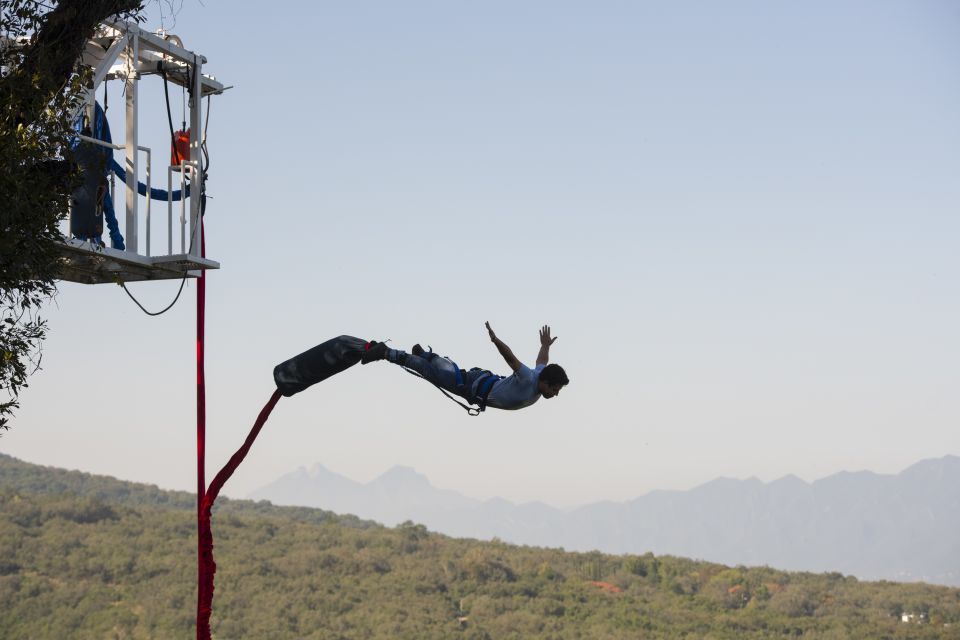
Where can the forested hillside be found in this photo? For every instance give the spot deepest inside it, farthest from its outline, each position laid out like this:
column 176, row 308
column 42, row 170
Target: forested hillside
column 874, row 526
column 91, row 557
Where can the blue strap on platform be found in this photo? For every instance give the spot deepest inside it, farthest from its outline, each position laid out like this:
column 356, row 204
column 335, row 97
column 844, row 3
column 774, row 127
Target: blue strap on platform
column 155, row 194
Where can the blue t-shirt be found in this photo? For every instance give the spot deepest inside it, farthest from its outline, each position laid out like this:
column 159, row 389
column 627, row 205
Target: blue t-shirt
column 516, row 391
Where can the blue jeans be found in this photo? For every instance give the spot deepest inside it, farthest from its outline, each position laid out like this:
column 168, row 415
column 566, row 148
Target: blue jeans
column 441, row 371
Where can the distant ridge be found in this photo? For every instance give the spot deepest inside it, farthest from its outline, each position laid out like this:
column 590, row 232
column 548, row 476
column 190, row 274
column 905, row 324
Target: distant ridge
column 897, row 527
column 27, row 477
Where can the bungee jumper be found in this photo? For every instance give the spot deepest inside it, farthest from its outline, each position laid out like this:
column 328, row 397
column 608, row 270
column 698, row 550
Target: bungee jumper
column 523, row 387
column 477, row 386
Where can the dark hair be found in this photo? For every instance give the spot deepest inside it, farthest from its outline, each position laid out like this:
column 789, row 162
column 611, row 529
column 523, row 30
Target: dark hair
column 554, row 374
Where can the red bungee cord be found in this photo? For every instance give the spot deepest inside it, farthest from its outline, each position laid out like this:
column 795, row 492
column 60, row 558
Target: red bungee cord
column 206, row 567
column 204, row 598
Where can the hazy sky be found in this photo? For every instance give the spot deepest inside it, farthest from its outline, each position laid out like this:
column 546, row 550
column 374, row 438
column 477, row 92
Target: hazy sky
column 740, row 219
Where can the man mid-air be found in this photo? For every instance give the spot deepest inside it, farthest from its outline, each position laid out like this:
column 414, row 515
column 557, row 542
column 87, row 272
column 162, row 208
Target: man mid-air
column 520, row 389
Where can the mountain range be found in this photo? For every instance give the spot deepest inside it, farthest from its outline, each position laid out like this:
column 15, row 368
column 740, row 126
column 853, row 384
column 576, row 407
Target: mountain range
column 903, row 527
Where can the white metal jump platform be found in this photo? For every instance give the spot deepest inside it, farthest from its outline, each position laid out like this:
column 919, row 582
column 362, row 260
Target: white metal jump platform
column 86, row 263
column 124, row 51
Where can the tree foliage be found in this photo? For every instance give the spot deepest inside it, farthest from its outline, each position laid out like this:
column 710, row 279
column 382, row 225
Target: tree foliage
column 41, row 85
column 83, row 556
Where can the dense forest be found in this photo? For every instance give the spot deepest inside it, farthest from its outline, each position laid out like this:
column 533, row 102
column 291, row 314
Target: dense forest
column 85, row 556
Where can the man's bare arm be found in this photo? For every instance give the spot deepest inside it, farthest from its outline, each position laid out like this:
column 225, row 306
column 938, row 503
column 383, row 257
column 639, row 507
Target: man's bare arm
column 504, row 350
column 545, row 341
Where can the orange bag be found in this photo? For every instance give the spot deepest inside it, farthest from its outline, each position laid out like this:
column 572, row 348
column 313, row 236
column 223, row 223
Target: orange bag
column 180, row 147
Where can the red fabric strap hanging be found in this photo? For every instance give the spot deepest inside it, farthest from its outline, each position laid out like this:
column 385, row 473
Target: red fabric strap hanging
column 207, row 566
column 203, row 600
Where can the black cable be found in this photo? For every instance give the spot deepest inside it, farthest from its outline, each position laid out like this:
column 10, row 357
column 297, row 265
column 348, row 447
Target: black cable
column 183, row 281
column 166, row 95
column 203, row 143
column 473, row 411
column 156, row 313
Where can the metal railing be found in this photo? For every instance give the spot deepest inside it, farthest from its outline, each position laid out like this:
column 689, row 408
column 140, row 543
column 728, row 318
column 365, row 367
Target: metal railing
column 185, row 168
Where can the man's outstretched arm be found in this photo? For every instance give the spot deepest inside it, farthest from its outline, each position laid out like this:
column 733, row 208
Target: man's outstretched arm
column 503, row 349
column 545, row 341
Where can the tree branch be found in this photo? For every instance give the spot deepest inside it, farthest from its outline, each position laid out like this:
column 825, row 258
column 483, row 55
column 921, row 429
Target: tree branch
column 51, row 57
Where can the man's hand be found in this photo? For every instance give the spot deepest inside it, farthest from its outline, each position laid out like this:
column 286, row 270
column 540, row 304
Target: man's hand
column 545, row 339
column 543, row 357
column 493, row 336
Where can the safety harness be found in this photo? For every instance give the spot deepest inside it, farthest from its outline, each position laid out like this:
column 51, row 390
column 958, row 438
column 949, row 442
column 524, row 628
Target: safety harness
column 483, row 385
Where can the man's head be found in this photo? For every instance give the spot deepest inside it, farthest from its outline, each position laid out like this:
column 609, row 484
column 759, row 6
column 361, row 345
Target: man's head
column 552, row 379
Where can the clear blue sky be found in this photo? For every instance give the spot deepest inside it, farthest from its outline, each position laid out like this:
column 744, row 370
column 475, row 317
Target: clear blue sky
column 740, row 219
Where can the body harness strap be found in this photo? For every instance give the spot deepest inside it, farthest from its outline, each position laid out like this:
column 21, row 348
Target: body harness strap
column 461, row 379
column 473, row 411
column 484, row 387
